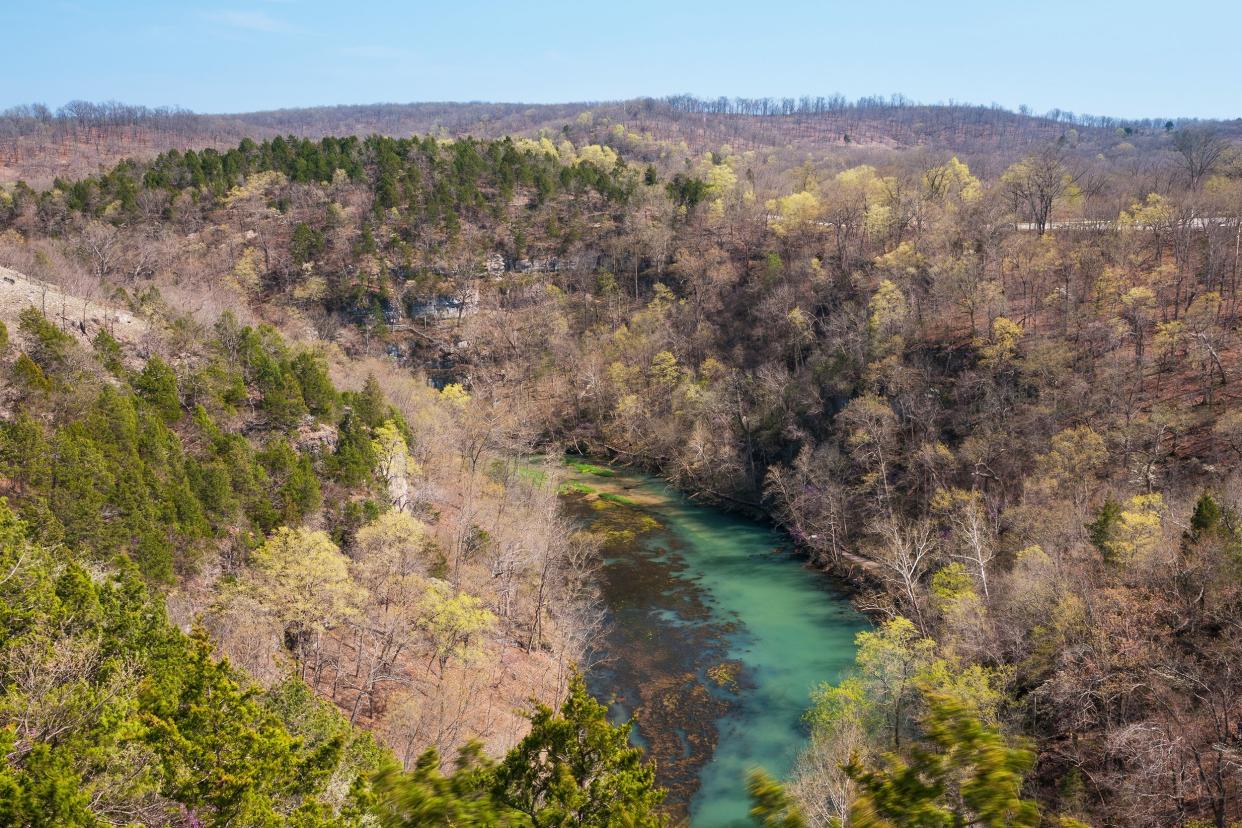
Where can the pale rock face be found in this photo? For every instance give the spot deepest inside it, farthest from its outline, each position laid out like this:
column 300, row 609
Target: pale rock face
column 394, row 465
column 399, row 487
column 79, row 316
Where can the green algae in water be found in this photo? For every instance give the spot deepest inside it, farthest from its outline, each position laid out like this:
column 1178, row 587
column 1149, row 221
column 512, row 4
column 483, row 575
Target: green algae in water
column 574, row 487
column 705, row 590
column 591, row 468
column 619, row 499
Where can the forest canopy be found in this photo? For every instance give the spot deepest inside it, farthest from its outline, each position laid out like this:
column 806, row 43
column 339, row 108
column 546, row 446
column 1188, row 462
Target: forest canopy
column 276, row 552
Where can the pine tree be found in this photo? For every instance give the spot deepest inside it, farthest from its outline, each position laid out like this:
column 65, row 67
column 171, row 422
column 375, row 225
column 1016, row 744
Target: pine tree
column 108, row 351
column 577, row 769
column 47, row 344
column 223, row 756
column 29, row 376
column 354, row 459
column 368, row 404
column 111, row 711
column 157, row 384
column 317, row 390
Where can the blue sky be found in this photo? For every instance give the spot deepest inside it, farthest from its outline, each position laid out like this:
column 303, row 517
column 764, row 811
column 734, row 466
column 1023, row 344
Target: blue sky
column 1134, row 59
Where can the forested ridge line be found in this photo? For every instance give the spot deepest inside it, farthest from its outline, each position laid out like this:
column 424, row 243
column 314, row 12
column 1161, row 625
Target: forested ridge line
column 1029, row 436
column 37, row 143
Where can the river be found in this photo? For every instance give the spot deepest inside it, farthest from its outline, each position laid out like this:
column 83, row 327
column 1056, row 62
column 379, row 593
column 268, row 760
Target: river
column 717, row 635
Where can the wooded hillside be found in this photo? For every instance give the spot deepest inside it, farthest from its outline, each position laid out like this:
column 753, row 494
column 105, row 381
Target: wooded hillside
column 37, row 143
column 990, row 377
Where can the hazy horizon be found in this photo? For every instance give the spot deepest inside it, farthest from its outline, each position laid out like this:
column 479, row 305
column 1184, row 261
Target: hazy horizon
column 236, row 57
column 1030, row 111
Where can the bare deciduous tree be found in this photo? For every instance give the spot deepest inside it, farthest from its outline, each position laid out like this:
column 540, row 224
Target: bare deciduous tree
column 1201, row 150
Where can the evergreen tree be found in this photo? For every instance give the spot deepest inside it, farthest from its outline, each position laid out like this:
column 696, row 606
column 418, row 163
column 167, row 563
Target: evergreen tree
column 307, row 243
column 317, row 390
column 110, row 715
column 1207, row 515
column 47, row 344
column 29, row 376
column 24, row 455
column 1101, row 530
column 294, row 489
column 108, row 351
column 354, row 458
column 577, row 769
column 222, row 755
column 368, row 404
column 157, row 384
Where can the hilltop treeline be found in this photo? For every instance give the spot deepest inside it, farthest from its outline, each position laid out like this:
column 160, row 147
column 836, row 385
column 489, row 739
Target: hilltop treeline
column 38, row 143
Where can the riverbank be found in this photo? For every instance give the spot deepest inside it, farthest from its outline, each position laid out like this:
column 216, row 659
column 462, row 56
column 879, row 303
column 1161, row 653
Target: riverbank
column 853, row 572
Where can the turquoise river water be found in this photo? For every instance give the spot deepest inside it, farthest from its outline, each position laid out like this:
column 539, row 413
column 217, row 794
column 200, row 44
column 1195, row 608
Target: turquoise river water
column 717, row 635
